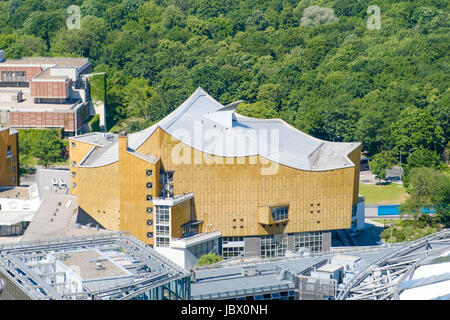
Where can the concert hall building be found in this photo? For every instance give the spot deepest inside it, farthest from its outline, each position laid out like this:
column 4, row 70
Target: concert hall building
column 206, row 178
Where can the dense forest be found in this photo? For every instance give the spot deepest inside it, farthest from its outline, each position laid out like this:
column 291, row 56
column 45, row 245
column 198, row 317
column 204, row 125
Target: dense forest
column 315, row 64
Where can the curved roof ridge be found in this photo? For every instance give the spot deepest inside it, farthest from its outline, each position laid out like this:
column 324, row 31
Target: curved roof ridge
column 141, row 136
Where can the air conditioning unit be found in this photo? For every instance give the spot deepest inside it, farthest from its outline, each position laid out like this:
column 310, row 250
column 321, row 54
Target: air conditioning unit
column 99, row 266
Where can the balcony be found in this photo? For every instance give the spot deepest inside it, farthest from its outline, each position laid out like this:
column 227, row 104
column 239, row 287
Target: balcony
column 266, row 216
column 194, row 240
column 173, row 201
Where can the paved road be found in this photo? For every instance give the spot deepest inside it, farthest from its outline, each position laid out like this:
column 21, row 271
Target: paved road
column 369, row 178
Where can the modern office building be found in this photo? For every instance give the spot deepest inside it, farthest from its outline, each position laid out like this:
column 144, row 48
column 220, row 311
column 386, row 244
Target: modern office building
column 111, row 266
column 206, row 178
column 44, row 93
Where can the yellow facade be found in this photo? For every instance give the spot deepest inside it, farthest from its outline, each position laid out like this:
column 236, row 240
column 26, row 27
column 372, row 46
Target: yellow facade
column 230, row 194
column 9, row 158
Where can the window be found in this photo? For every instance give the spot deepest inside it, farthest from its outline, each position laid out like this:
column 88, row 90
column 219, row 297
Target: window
column 231, row 252
column 74, row 174
column 162, row 230
column 74, row 185
column 73, row 144
column 149, row 197
column 162, row 242
column 310, row 240
column 232, row 247
column 149, row 185
column 162, row 215
column 149, row 172
column 9, row 153
column 149, row 210
column 280, row 213
column 15, row 76
column 273, row 246
column 150, row 235
column 73, row 163
column 162, row 226
column 149, row 222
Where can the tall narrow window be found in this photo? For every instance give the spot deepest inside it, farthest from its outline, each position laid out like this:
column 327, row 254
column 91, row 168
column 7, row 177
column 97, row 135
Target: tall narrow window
column 149, row 172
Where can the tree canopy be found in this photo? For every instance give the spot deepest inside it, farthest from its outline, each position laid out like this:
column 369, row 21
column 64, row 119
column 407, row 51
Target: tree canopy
column 313, row 63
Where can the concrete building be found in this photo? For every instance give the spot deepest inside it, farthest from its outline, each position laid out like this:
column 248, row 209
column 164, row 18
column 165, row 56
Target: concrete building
column 45, row 93
column 112, row 266
column 417, row 270
column 261, row 184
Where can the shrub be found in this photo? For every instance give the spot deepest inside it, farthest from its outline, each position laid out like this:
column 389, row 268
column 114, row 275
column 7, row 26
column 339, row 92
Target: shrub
column 208, row 259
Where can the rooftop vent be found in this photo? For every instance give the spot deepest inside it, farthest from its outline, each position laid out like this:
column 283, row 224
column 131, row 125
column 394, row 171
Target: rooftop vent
column 99, row 266
column 249, row 271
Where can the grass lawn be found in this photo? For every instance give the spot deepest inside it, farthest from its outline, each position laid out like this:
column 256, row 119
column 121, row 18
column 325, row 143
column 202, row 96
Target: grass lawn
column 405, row 230
column 383, row 194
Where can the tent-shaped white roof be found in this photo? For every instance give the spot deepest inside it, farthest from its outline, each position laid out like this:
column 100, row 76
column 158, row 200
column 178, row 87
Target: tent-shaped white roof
column 206, row 125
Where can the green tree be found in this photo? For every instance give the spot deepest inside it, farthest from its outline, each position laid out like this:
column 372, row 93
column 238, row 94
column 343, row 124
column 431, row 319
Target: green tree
column 428, row 188
column 421, row 157
column 47, row 148
column 43, row 24
column 416, row 128
column 380, row 163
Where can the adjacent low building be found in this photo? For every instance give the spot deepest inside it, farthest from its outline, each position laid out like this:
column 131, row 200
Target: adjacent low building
column 249, row 187
column 45, row 93
column 112, row 266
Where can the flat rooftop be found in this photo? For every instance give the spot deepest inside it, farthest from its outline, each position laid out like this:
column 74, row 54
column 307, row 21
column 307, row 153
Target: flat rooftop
column 47, row 62
column 27, row 104
column 47, row 75
column 228, row 281
column 86, row 263
column 19, row 193
column 32, row 265
column 106, row 151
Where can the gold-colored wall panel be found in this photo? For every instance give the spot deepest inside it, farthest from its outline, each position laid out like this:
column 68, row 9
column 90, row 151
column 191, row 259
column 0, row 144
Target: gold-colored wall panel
column 9, row 166
column 98, row 192
column 77, row 151
column 133, row 192
column 228, row 194
column 181, row 214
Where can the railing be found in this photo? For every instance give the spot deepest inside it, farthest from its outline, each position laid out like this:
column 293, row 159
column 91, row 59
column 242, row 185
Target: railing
column 405, row 247
column 244, row 292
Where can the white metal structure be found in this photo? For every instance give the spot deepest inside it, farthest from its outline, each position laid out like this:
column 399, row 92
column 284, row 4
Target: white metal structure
column 383, row 279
